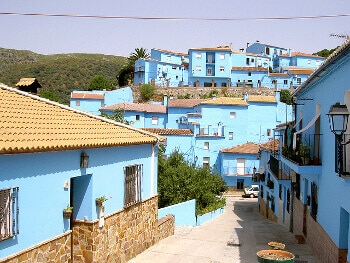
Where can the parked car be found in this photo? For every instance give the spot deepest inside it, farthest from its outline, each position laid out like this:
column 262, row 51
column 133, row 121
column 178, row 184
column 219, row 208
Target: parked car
column 251, row 191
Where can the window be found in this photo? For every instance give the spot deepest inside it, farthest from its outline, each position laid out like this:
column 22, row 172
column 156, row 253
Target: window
column 299, row 80
column 285, row 82
column 222, row 69
column 210, row 58
column 249, row 73
column 206, row 145
column 168, row 58
column 206, row 162
column 132, row 191
column 198, row 68
column 232, row 115
column 8, row 213
column 209, row 72
column 241, row 166
column 155, row 120
column 309, row 61
column 77, row 103
column 173, row 67
column 230, row 135
column 137, row 117
column 222, row 56
column 198, row 55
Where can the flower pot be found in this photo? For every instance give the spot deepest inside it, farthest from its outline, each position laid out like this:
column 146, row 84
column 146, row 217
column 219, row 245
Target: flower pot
column 276, row 245
column 67, row 213
column 275, row 256
column 99, row 202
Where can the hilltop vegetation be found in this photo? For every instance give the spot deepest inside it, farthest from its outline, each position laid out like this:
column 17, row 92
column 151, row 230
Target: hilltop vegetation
column 58, row 74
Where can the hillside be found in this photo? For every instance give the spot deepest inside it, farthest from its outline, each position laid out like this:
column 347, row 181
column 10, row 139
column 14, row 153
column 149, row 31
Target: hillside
column 58, row 74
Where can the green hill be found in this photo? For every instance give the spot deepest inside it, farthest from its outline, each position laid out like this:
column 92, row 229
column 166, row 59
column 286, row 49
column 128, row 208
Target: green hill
column 58, row 74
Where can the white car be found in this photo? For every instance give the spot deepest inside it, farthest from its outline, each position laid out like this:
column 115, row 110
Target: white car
column 252, row 191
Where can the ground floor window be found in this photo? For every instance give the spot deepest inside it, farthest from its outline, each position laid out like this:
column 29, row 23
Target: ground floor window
column 8, row 213
column 132, row 191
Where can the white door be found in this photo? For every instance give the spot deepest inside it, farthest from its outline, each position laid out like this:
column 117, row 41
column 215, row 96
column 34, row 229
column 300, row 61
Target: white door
column 240, row 166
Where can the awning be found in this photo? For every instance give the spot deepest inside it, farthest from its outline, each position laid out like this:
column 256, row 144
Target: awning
column 312, row 122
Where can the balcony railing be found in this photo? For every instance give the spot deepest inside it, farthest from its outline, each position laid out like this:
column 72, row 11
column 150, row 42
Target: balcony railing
column 210, row 131
column 237, row 171
column 279, row 170
column 307, row 151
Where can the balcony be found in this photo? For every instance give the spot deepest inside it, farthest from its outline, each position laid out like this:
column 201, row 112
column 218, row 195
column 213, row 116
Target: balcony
column 237, row 171
column 279, row 169
column 210, row 131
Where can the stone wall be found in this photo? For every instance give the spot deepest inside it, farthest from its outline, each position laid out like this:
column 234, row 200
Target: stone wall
column 266, row 211
column 124, row 235
column 196, row 93
column 57, row 249
column 322, row 245
column 298, row 217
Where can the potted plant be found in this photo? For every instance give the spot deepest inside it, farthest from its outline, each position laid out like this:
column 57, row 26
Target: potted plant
column 100, row 200
column 276, row 245
column 304, row 151
column 275, row 256
column 67, row 212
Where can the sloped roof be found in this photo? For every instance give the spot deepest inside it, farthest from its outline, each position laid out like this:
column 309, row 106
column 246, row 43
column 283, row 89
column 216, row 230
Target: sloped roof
column 226, row 101
column 140, row 107
column 300, row 71
column 271, row 145
column 259, row 98
column 220, row 48
column 184, row 103
column 249, row 69
column 162, row 131
column 29, row 123
column 301, row 54
column 280, row 75
column 171, row 52
column 27, row 82
column 83, row 95
column 247, row 148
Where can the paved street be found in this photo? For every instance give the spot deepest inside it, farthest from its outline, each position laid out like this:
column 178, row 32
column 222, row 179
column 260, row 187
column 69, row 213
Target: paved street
column 235, row 236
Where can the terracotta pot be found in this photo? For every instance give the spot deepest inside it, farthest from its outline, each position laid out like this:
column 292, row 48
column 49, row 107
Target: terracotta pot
column 275, row 256
column 67, row 213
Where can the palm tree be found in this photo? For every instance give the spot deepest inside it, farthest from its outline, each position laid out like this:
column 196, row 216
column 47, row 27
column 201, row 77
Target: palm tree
column 126, row 73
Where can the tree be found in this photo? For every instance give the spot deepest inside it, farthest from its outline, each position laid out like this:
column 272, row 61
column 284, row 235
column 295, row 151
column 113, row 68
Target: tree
column 147, row 91
column 286, row 96
column 180, row 181
column 99, row 82
column 117, row 115
column 126, row 73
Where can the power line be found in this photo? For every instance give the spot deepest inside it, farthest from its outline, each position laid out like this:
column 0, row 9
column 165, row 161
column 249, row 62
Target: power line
column 175, row 18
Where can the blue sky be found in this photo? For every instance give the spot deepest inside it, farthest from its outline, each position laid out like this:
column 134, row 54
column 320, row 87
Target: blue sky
column 54, row 35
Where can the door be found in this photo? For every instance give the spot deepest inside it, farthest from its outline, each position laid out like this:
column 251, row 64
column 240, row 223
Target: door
column 240, row 166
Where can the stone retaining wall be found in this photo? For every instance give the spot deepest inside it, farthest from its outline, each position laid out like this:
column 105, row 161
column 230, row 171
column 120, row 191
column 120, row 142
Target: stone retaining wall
column 166, row 227
column 322, row 245
column 57, row 249
column 266, row 211
column 299, row 213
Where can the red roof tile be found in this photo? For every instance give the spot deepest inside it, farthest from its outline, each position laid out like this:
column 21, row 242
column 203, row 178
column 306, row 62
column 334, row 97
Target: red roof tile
column 271, row 145
column 140, row 107
column 184, row 103
column 161, row 131
column 247, row 148
column 82, row 95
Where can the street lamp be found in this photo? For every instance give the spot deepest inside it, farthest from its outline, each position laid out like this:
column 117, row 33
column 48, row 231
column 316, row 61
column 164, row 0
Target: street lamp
column 338, row 118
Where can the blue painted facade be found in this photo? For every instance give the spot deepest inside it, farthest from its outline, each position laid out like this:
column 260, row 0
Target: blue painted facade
column 311, row 180
column 223, row 67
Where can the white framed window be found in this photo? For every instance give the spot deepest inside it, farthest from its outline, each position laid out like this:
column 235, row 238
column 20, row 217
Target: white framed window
column 222, row 69
column 198, row 68
column 132, row 186
column 232, row 115
column 209, row 72
column 317, row 62
column 206, row 162
column 206, row 145
column 222, row 56
column 155, row 120
column 8, row 213
column 198, row 55
column 173, row 67
column 230, row 135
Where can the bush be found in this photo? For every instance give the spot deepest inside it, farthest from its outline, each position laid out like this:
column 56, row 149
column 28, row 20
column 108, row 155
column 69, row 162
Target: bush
column 147, row 91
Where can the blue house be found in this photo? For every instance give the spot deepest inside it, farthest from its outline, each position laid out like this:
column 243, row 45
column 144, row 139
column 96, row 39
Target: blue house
column 308, row 175
column 55, row 158
column 92, row 101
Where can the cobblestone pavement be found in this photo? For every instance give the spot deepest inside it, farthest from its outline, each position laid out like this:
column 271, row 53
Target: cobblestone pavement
column 235, row 236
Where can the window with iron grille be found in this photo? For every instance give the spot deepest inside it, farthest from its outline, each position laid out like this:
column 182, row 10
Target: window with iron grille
column 132, row 191
column 8, row 213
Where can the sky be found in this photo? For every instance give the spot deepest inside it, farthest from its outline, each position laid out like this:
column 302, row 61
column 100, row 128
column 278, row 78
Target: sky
column 115, row 27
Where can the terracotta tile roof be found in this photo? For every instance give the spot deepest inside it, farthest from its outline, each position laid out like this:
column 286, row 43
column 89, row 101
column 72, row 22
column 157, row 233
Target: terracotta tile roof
column 249, row 69
column 184, row 103
column 83, row 95
column 270, row 145
column 29, row 123
column 26, row 82
column 221, row 48
column 247, row 148
column 226, row 101
column 301, row 54
column 258, row 98
column 169, row 131
column 281, row 75
column 140, row 107
column 171, row 52
column 300, row 71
